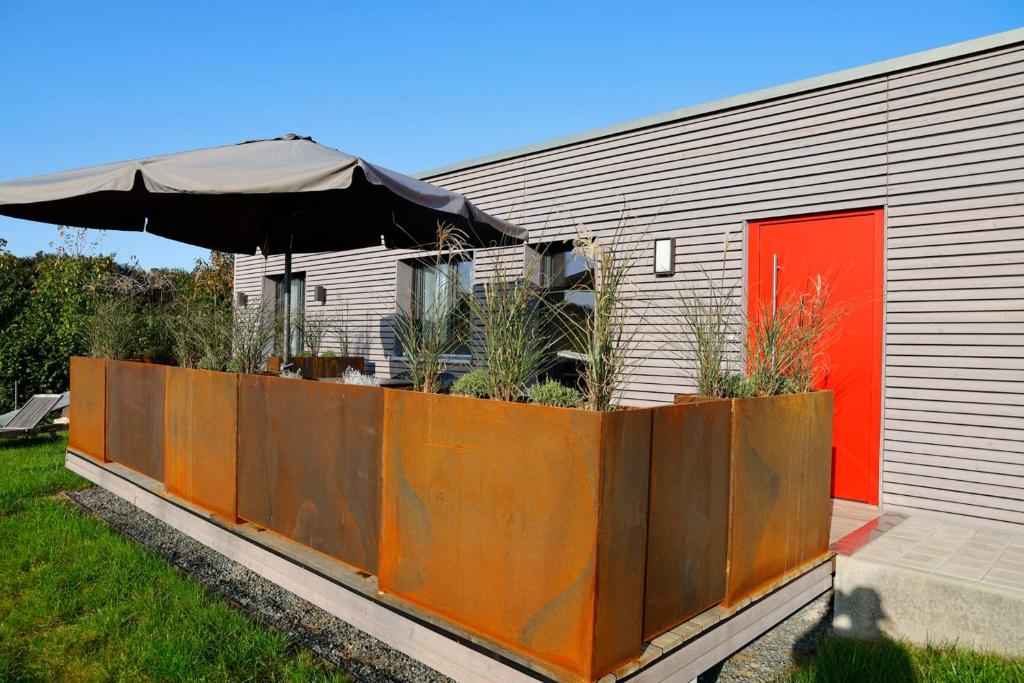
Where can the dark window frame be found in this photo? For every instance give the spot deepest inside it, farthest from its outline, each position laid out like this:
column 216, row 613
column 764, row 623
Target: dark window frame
column 460, row 313
column 297, row 310
column 568, row 278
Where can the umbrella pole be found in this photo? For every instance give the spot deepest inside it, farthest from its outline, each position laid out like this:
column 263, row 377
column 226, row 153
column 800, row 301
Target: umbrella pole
column 287, row 306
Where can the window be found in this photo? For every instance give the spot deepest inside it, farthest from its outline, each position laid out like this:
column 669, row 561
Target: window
column 569, row 279
column 437, row 291
column 298, row 286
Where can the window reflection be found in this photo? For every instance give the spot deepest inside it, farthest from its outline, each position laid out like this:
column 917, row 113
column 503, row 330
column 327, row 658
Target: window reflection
column 569, row 278
column 438, row 291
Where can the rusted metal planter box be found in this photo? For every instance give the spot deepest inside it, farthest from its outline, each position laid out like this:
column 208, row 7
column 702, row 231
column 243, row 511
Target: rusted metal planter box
column 319, row 366
column 309, row 464
column 88, row 407
column 781, row 476
column 688, row 521
column 526, row 524
column 200, row 437
column 780, row 466
column 135, row 416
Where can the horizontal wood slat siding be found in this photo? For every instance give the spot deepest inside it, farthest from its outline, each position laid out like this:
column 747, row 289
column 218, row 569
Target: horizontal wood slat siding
column 954, row 408
column 941, row 147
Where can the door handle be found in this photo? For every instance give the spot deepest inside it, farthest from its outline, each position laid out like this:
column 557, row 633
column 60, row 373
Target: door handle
column 775, row 283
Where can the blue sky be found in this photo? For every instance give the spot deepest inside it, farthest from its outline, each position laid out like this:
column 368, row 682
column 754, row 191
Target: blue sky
column 407, row 85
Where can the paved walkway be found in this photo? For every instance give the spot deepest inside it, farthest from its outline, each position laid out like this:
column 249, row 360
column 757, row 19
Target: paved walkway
column 979, row 555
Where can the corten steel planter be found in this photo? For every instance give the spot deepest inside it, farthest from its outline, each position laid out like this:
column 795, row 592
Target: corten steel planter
column 88, row 407
column 525, row 524
column 781, row 472
column 200, row 438
column 688, row 523
column 319, row 366
column 135, row 416
column 309, row 464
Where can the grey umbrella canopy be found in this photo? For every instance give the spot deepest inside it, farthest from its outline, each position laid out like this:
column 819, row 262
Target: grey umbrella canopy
column 285, row 194
column 281, row 196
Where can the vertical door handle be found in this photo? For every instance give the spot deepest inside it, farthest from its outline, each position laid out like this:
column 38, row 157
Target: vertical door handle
column 775, row 283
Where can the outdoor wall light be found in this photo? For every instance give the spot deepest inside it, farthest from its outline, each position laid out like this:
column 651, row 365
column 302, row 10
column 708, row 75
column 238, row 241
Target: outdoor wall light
column 320, row 294
column 242, row 299
column 665, row 257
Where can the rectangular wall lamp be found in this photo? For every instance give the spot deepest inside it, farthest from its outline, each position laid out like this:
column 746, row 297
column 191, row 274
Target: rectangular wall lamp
column 665, row 257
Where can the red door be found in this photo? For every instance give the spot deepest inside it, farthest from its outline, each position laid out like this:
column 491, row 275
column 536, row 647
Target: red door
column 846, row 250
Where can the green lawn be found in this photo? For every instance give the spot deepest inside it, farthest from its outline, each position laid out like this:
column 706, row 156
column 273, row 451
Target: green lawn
column 851, row 661
column 80, row 603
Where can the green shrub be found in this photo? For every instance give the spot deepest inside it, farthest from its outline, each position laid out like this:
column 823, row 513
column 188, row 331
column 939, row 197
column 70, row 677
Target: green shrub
column 46, row 302
column 737, row 386
column 552, row 393
column 475, row 383
column 78, row 301
column 328, row 354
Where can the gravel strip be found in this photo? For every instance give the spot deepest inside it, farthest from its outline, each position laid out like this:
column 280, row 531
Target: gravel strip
column 769, row 657
column 344, row 646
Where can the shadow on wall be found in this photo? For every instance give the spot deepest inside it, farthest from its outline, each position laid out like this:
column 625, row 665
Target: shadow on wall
column 360, row 342
column 388, row 342
column 845, row 643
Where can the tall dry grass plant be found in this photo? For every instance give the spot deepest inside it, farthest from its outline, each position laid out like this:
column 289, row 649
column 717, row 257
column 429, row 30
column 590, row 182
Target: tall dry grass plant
column 426, row 330
column 343, row 331
column 203, row 335
column 314, row 328
column 709, row 323
column 784, row 347
column 603, row 339
column 515, row 325
column 113, row 329
column 255, row 328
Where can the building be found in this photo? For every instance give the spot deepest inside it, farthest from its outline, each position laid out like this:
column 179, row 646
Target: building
column 904, row 179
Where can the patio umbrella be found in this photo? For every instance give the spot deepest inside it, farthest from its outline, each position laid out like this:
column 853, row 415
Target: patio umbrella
column 282, row 196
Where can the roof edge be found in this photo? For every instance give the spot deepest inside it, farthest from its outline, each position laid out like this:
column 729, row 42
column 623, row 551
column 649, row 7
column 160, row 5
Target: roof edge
column 857, row 73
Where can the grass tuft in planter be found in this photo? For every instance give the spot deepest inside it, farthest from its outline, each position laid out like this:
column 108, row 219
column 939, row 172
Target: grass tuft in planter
column 784, row 345
column 351, row 338
column 601, row 338
column 428, row 331
column 710, row 324
column 514, row 326
column 314, row 327
column 254, row 330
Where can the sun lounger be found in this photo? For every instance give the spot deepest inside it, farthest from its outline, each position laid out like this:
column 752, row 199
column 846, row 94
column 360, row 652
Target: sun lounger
column 26, row 422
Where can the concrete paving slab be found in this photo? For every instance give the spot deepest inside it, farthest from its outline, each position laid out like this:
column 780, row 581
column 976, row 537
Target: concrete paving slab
column 962, row 572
